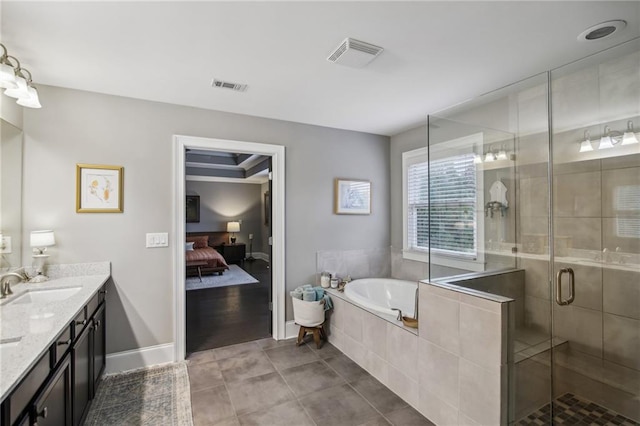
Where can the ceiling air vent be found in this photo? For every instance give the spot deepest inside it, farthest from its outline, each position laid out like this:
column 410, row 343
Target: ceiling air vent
column 354, row 53
column 228, row 85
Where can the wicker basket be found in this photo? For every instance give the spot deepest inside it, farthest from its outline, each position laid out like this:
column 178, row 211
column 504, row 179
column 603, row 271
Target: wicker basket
column 308, row 314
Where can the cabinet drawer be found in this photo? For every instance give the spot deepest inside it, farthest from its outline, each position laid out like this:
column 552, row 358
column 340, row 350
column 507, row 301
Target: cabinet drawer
column 21, row 396
column 92, row 306
column 80, row 322
column 62, row 344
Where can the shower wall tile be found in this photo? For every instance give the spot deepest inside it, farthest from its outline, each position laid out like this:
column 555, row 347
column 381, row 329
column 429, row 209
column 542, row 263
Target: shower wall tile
column 480, row 391
column 368, row 263
column 588, row 284
column 378, row 367
column 584, row 232
column 534, row 196
column 536, row 277
column 372, row 336
column 337, row 313
column 613, row 183
column 622, row 340
column 621, row 162
column 621, row 233
column 581, row 327
column 537, row 313
column 404, row 385
column 402, row 349
column 405, row 269
column 436, row 409
column 439, row 319
column 577, row 195
column 621, row 292
column 438, row 372
column 481, row 336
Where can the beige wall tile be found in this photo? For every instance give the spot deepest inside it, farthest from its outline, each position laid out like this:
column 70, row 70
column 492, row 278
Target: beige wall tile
column 577, row 195
column 377, row 367
column 536, row 277
column 618, row 232
column 622, row 340
column 582, row 327
column 439, row 321
column 353, row 322
column 480, row 336
column 438, row 372
column 481, row 303
column 621, row 292
column 585, row 233
column 336, row 338
column 437, row 410
column 480, row 393
column 355, row 350
column 337, row 314
column 439, row 291
column 404, row 386
column 374, row 335
column 537, row 313
column 534, row 196
column 402, row 349
column 612, row 182
column 588, row 285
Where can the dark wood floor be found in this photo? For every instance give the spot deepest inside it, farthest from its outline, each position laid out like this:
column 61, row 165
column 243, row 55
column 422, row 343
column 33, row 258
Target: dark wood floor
column 228, row 315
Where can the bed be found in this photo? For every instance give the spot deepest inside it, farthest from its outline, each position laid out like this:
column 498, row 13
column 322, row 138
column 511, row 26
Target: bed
column 200, row 254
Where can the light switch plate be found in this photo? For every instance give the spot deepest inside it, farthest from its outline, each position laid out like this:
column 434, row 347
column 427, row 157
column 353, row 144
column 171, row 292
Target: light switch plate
column 157, row 239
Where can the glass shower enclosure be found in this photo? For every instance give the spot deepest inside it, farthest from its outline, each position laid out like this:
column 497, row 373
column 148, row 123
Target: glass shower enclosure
column 534, row 194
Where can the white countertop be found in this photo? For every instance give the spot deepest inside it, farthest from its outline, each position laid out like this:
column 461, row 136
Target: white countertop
column 28, row 330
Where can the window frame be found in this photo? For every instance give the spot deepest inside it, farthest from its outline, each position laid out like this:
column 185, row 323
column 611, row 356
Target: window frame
column 453, row 147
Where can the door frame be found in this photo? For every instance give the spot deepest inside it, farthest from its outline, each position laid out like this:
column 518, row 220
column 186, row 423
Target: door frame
column 277, row 262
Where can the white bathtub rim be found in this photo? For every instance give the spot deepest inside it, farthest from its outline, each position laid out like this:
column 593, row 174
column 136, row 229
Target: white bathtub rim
column 406, row 306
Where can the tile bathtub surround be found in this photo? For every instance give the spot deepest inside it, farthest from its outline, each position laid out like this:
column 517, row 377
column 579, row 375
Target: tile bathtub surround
column 300, row 386
column 455, row 371
column 366, row 263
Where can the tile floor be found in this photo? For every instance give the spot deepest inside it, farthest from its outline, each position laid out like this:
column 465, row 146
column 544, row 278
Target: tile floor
column 266, row 382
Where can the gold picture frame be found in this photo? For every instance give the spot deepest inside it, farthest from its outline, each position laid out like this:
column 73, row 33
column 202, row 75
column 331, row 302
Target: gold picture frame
column 99, row 188
column 352, row 196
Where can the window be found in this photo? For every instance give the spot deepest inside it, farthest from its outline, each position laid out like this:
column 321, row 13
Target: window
column 453, row 206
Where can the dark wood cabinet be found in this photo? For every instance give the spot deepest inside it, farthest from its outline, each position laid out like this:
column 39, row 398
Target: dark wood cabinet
column 82, row 376
column 233, row 253
column 53, row 406
column 59, row 388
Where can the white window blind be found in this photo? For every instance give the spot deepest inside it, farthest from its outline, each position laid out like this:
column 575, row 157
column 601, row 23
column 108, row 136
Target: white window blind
column 451, row 204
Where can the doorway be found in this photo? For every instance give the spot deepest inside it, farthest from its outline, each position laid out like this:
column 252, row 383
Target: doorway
column 276, row 198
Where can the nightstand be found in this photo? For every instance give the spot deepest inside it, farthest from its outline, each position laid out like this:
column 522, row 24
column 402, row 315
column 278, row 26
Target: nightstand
column 233, row 253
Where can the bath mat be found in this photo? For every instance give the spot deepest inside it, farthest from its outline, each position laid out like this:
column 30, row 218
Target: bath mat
column 150, row 396
column 234, row 276
column 570, row 409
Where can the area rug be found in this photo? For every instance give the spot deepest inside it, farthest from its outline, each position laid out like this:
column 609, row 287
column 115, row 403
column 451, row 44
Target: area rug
column 570, row 409
column 234, row 276
column 149, row 396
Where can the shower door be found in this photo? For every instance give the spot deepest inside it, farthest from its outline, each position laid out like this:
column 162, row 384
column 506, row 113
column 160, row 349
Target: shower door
column 595, row 216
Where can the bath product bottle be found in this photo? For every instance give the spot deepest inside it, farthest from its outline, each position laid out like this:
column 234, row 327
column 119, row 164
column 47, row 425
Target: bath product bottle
column 334, row 282
column 325, row 280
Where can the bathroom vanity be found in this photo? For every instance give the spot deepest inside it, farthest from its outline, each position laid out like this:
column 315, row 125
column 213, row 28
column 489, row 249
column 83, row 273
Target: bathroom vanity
column 52, row 349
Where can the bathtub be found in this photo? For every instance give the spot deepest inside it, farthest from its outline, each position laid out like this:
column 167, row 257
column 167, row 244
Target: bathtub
column 382, row 294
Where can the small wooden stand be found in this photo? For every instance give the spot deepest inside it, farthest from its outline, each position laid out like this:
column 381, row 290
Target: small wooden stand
column 317, row 331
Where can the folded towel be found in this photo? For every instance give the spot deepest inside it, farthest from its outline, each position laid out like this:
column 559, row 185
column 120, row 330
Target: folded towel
column 306, row 286
column 297, row 293
column 328, row 304
column 309, row 295
column 319, row 292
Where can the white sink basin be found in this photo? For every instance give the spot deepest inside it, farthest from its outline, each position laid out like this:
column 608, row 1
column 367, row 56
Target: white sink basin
column 45, row 295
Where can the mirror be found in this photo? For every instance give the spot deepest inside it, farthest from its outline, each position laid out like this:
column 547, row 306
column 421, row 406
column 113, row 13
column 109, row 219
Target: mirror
column 10, row 196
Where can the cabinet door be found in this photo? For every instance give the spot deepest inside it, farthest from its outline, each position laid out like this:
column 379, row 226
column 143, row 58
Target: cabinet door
column 99, row 348
column 53, row 405
column 82, row 377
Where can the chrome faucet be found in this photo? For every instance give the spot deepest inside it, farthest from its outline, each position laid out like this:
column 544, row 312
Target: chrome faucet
column 5, row 283
column 399, row 316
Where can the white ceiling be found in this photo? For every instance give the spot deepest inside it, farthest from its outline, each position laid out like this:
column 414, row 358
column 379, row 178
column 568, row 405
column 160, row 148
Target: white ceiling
column 436, row 53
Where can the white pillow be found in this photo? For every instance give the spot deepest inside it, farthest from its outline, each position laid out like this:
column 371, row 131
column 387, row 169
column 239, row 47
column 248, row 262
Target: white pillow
column 188, row 246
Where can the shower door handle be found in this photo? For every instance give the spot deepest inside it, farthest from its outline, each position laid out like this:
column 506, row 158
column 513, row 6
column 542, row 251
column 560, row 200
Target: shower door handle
column 572, row 287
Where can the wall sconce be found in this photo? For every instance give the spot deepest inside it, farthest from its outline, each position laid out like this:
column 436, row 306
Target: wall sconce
column 489, row 157
column 17, row 81
column 629, row 137
column 233, row 227
column 585, row 145
column 605, row 141
column 40, row 240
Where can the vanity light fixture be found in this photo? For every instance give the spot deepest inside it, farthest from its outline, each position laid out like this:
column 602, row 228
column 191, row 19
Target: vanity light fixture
column 585, row 145
column 605, row 141
column 40, row 240
column 17, row 81
column 629, row 137
column 502, row 155
column 489, row 157
column 477, row 159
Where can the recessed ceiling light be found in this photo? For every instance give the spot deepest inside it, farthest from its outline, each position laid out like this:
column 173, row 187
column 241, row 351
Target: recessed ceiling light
column 602, row 30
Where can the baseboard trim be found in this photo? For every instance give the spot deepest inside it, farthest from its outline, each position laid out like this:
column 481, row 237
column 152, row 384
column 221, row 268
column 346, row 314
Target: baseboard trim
column 139, row 358
column 291, row 329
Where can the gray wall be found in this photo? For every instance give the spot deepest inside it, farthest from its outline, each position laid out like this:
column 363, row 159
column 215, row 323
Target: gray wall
column 83, row 127
column 222, row 202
